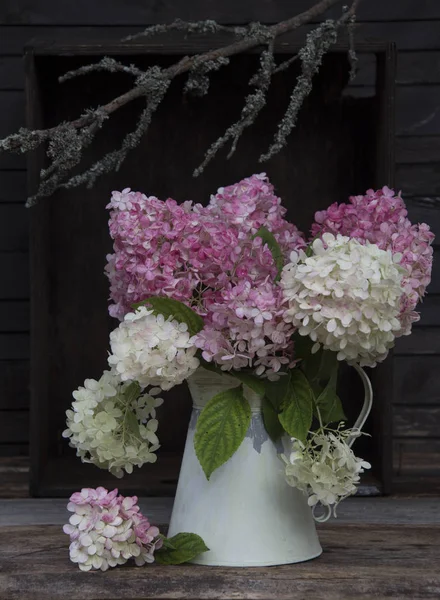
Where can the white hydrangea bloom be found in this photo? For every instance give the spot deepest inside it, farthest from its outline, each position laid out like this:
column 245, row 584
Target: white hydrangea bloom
column 325, row 468
column 151, row 350
column 346, row 297
column 111, row 426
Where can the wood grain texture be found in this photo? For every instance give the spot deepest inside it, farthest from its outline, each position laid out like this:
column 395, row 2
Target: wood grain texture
column 418, row 149
column 412, row 68
column 358, row 561
column 14, row 346
column 14, row 267
column 14, row 384
column 423, row 180
column 12, row 111
column 12, row 186
column 16, row 488
column 414, row 483
column 14, row 426
column 416, row 421
column 14, row 316
column 416, row 456
column 11, row 73
column 134, row 12
column 417, row 108
column 11, row 117
column 389, row 510
column 418, row 67
column 416, row 380
column 424, row 210
column 423, row 341
column 417, row 35
column 429, row 311
column 14, row 472
column 14, row 227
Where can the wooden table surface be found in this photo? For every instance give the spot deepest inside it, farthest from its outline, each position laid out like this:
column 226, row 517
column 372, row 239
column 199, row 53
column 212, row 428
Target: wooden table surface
column 393, row 551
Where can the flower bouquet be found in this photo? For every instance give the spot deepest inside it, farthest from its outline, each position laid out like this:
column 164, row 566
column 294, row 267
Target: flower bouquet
column 256, row 317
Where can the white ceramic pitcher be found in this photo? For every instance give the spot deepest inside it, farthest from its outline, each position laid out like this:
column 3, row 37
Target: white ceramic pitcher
column 246, row 513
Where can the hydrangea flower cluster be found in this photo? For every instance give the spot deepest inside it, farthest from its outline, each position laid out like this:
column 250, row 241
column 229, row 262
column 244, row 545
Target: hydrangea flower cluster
column 380, row 217
column 151, row 350
column 113, row 425
column 325, row 468
column 107, row 530
column 208, row 258
column 352, row 291
column 251, row 204
column 246, row 329
column 345, row 297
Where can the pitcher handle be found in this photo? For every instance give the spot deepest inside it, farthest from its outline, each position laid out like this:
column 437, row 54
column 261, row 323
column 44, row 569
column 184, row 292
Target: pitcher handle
column 360, row 422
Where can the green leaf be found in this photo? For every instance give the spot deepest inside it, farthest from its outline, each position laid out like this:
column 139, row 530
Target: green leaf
column 131, row 392
column 316, row 367
column 269, row 239
column 168, row 307
column 297, row 414
column 180, row 549
column 310, row 366
column 309, row 249
column 329, row 403
column 209, row 366
column 276, row 391
column 221, row 428
column 300, row 385
column 303, row 346
column 328, row 367
column 271, row 420
column 167, row 544
column 252, row 381
column 132, row 422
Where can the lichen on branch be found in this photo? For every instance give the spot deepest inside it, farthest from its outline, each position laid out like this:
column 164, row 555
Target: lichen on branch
column 64, row 143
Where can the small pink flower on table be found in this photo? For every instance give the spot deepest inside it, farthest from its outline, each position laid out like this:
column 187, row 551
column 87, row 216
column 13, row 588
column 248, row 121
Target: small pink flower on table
column 107, row 530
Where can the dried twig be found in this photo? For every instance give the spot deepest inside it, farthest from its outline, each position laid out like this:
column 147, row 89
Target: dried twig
column 253, row 104
column 317, row 44
column 66, row 141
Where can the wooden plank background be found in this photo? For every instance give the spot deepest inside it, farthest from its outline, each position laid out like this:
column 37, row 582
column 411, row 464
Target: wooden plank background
column 413, row 24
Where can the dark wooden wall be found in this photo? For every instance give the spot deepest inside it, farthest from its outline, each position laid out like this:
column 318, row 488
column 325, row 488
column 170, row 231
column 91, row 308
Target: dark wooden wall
column 413, row 24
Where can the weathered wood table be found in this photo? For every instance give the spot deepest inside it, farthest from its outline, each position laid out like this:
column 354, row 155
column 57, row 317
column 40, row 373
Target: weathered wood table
column 378, row 548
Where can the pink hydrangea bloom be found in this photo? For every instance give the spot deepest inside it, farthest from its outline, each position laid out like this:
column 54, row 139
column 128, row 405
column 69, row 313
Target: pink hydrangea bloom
column 251, row 204
column 207, row 257
column 381, row 218
column 246, row 328
column 107, row 530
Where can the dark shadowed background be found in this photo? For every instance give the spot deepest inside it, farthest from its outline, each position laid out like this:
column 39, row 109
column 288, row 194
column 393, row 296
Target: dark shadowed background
column 415, row 27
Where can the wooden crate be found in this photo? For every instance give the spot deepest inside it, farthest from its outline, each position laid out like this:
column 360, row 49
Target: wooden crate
column 342, row 145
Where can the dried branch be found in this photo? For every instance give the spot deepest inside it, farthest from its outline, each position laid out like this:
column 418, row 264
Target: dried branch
column 201, row 27
column 318, row 43
column 66, row 141
column 197, row 83
column 253, row 104
column 352, row 56
column 106, row 64
column 113, row 160
column 286, row 64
